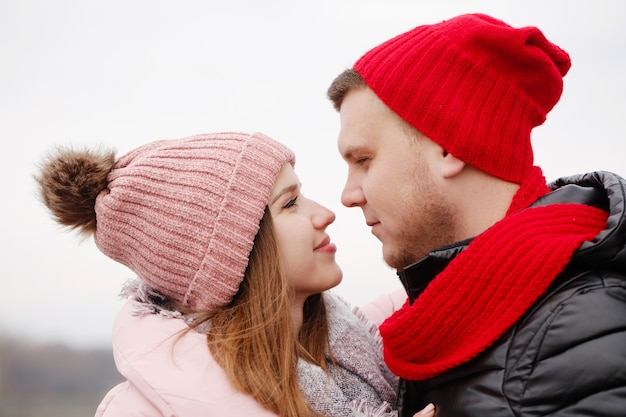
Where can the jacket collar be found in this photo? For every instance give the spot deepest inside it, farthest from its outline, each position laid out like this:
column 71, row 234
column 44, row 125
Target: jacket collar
column 416, row 277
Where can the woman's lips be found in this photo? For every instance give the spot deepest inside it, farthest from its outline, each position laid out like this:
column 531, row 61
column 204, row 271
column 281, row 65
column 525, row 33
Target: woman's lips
column 326, row 246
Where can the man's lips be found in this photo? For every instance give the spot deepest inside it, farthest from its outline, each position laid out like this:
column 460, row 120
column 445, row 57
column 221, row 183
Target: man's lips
column 373, row 228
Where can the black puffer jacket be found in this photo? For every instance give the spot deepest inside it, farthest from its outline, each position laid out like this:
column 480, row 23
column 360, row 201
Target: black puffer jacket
column 567, row 355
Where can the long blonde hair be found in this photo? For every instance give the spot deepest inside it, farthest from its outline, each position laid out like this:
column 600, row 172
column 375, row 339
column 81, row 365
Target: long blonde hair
column 253, row 339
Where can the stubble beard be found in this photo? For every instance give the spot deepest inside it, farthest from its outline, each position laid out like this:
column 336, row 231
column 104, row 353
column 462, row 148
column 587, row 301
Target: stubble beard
column 431, row 226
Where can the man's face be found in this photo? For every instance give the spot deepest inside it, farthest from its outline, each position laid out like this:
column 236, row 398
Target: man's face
column 393, row 177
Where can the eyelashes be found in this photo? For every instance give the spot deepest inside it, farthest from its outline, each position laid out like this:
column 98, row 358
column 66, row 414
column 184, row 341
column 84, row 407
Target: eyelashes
column 290, row 203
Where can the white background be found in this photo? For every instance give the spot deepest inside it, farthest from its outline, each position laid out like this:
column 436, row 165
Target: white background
column 122, row 73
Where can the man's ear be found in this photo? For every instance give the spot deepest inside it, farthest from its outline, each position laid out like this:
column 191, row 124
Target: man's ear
column 450, row 165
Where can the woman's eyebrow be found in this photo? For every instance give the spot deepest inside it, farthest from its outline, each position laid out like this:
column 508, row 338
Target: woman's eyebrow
column 288, row 189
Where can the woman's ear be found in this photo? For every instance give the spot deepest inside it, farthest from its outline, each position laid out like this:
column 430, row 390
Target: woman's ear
column 450, row 165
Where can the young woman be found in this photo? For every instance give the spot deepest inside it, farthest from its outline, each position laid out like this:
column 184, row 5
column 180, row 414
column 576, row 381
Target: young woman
column 229, row 314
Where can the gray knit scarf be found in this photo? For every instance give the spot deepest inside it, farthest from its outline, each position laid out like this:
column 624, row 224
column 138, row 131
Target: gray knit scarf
column 359, row 384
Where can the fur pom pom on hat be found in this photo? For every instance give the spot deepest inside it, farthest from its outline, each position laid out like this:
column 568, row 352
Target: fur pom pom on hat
column 474, row 85
column 182, row 214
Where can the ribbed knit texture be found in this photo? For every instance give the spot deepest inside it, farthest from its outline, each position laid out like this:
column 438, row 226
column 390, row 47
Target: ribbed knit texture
column 533, row 186
column 488, row 286
column 183, row 214
column 474, row 85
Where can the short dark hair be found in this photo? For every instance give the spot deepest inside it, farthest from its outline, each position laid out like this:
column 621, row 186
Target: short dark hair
column 346, row 81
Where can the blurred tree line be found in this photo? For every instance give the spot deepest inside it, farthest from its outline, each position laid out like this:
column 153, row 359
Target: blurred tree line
column 53, row 380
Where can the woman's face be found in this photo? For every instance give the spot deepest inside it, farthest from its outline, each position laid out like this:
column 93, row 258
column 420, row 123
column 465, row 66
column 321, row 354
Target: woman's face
column 300, row 228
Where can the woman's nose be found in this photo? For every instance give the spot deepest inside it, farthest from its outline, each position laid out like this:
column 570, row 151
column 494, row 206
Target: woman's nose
column 323, row 217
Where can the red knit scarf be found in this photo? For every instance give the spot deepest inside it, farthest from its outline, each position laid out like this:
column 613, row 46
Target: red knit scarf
column 489, row 286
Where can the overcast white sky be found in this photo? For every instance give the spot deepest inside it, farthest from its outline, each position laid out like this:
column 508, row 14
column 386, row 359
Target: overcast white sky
column 123, row 73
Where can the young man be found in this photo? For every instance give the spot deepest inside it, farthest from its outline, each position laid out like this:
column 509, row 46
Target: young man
column 517, row 288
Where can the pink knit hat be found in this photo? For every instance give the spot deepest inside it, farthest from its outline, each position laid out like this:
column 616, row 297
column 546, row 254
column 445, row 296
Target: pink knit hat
column 474, row 85
column 183, row 214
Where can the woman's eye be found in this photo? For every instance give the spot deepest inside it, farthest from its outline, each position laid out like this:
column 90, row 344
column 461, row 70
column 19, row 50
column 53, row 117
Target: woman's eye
column 291, row 203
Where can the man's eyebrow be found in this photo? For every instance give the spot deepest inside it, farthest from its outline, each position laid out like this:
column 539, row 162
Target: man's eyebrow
column 349, row 151
column 288, row 189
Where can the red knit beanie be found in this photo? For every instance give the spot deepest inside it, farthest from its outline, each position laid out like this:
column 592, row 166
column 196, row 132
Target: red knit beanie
column 474, row 85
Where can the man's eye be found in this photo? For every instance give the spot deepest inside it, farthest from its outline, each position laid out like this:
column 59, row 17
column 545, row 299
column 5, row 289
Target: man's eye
column 291, row 203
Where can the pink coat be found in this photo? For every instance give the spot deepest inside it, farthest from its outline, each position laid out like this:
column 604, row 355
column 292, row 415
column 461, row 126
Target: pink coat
column 384, row 306
column 167, row 375
column 159, row 367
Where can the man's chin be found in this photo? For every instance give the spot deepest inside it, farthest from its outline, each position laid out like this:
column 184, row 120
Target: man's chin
column 392, row 260
column 398, row 260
